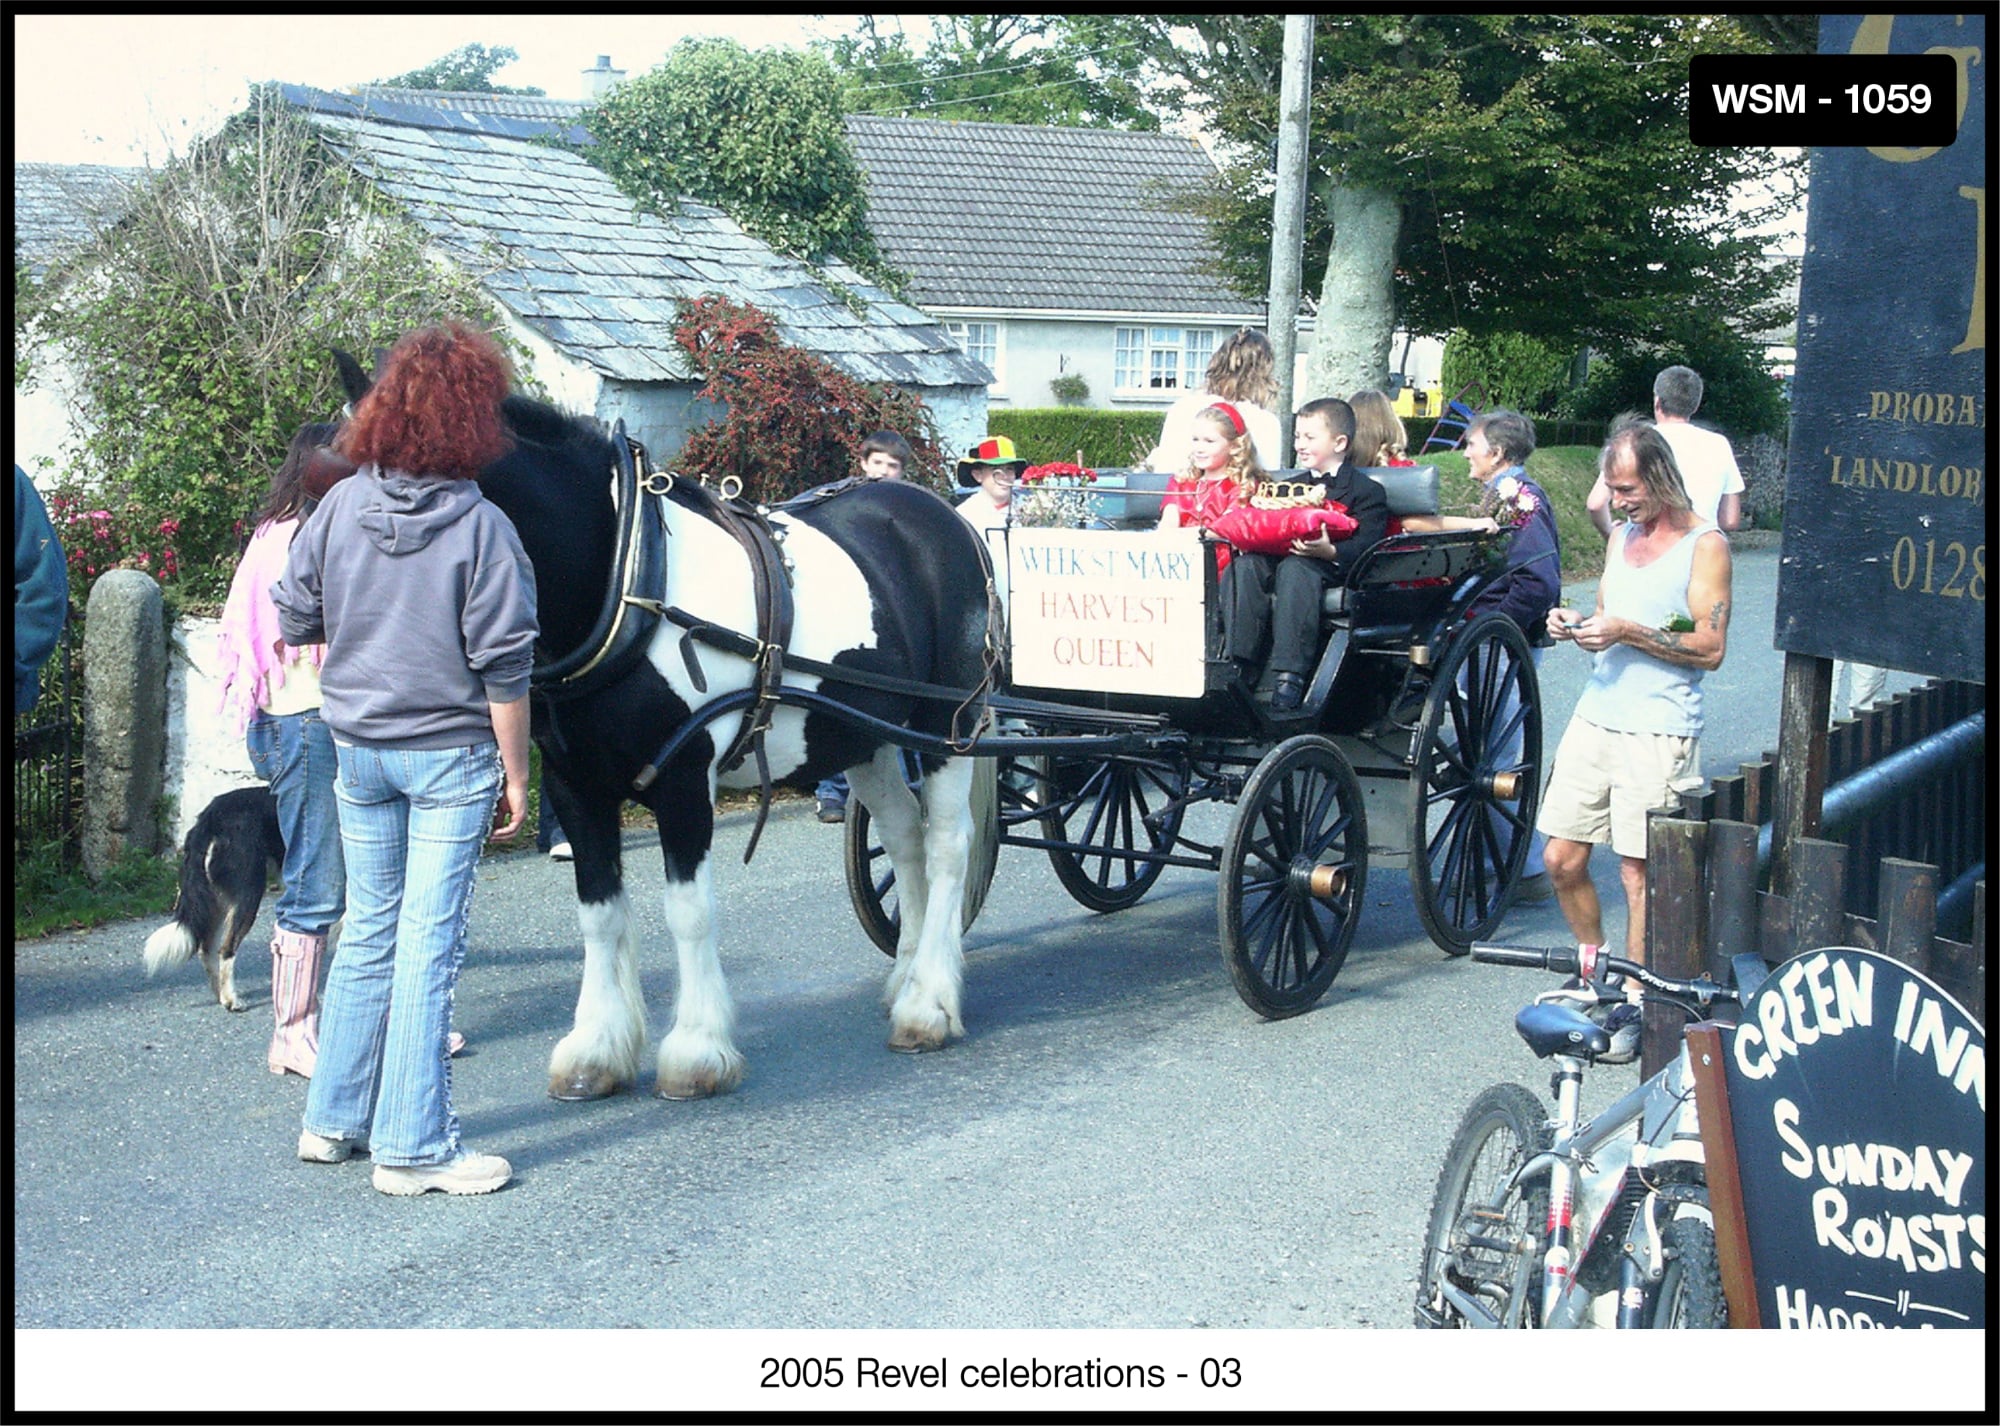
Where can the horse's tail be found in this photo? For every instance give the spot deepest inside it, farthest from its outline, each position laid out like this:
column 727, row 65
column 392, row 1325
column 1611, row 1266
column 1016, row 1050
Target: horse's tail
column 984, row 847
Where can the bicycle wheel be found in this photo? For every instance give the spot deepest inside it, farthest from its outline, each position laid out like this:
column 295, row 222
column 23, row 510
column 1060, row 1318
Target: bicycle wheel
column 1484, row 1245
column 1690, row 1290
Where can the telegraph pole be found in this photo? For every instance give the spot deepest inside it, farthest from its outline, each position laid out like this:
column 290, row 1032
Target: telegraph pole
column 1288, row 218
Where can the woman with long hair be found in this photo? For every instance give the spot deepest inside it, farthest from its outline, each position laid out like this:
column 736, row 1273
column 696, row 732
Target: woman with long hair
column 425, row 600
column 270, row 689
column 1379, row 436
column 1242, row 373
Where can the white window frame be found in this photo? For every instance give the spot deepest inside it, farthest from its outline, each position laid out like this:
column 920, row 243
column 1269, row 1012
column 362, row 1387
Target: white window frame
column 1162, row 360
column 960, row 328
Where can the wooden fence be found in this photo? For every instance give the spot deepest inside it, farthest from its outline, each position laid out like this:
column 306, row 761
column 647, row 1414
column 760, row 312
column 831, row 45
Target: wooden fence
column 1937, row 817
column 1708, row 894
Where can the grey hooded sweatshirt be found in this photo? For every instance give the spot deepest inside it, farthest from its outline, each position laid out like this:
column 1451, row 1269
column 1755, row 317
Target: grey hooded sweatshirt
column 421, row 592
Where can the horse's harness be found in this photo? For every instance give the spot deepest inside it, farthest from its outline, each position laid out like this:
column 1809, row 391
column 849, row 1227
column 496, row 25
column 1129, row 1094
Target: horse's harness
column 635, row 603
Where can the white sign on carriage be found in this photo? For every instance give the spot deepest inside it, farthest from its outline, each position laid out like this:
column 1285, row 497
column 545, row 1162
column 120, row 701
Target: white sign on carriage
column 1107, row 611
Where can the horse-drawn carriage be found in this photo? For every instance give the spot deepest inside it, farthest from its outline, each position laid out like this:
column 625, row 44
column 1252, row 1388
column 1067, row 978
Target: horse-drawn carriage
column 690, row 641
column 1124, row 714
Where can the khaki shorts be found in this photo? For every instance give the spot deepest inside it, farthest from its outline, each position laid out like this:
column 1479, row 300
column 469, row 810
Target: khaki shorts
column 1603, row 784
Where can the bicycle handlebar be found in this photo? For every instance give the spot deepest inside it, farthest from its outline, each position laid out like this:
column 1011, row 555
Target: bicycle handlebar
column 1564, row 960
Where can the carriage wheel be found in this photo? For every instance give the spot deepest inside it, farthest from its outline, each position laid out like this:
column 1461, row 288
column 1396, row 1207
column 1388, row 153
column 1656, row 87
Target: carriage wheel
column 1294, row 871
column 871, row 880
column 1103, row 809
column 1476, row 766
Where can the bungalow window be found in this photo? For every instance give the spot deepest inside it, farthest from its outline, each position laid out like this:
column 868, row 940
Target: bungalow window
column 980, row 341
column 1149, row 359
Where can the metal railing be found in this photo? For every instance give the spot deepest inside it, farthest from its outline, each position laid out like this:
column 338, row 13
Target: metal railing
column 48, row 754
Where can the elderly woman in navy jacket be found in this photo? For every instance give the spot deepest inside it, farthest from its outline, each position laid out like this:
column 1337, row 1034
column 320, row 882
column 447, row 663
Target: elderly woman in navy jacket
column 1497, row 447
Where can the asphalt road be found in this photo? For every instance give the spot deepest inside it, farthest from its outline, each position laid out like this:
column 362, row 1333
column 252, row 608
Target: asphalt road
column 1118, row 1142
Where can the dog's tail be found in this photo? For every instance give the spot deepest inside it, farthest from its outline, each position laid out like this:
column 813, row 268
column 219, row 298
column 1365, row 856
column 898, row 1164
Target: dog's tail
column 169, row 946
column 195, row 908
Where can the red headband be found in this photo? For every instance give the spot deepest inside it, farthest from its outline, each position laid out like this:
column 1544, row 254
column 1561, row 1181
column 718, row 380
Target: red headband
column 1235, row 417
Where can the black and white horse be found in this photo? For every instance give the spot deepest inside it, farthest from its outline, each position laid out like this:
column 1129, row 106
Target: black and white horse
column 888, row 580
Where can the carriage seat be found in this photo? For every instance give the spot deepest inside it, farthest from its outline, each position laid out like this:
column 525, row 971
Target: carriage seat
column 1412, row 490
column 1129, row 499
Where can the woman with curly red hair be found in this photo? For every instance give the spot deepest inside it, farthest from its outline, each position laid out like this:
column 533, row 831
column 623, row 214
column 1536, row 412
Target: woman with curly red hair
column 421, row 592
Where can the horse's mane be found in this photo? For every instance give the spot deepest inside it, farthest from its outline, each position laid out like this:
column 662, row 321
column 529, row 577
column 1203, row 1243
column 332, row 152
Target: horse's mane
column 565, row 434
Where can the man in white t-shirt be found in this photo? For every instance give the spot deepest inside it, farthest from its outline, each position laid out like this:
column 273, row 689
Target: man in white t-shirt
column 1707, row 464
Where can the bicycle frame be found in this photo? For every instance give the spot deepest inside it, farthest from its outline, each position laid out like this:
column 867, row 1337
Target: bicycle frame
column 1607, row 1177
column 1588, row 1167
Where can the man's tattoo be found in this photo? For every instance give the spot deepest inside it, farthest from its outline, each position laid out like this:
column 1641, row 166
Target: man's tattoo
column 1717, row 614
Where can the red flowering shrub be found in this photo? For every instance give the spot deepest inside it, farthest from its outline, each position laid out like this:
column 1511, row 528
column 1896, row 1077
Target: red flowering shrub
column 792, row 420
column 95, row 540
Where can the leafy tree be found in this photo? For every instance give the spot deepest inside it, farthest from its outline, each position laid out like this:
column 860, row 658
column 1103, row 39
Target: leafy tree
column 1523, row 372
column 198, row 333
column 1521, row 173
column 757, row 133
column 792, row 419
column 1004, row 69
column 1740, row 394
column 469, row 69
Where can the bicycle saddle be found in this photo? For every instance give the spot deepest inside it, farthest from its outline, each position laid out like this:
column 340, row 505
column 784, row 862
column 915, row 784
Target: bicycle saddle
column 1561, row 1030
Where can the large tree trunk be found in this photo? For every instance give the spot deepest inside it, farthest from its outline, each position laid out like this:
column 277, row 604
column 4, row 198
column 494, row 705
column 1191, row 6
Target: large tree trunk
column 1357, row 307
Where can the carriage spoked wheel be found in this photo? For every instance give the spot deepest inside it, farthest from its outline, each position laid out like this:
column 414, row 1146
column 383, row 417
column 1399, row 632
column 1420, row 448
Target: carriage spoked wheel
column 871, row 880
column 1476, row 778
column 1294, row 873
column 1102, row 810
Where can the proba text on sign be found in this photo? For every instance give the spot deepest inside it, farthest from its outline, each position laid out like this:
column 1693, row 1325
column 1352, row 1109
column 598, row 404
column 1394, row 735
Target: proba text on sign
column 1857, row 1089
column 1110, row 611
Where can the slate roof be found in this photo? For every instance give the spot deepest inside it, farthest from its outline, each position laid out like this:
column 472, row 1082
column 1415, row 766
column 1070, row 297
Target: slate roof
column 554, row 240
column 1034, row 217
column 59, row 206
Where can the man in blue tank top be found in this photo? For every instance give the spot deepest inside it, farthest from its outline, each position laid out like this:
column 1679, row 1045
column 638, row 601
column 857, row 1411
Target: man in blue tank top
column 1661, row 622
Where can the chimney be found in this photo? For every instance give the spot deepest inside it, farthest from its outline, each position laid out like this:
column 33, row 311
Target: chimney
column 600, row 79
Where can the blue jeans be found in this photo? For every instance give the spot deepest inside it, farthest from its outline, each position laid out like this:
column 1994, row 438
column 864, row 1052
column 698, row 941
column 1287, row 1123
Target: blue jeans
column 293, row 752
column 549, row 832
column 834, row 789
column 412, row 821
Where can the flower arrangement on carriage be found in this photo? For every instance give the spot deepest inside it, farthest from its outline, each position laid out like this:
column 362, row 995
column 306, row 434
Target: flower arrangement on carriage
column 1054, row 495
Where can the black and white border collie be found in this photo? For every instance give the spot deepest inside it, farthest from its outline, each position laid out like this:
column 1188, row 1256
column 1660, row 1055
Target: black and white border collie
column 225, row 864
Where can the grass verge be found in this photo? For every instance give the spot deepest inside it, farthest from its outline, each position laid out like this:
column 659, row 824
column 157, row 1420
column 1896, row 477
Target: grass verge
column 51, row 897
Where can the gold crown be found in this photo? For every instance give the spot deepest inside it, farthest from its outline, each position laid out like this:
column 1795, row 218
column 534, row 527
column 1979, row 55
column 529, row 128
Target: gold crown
column 1288, row 494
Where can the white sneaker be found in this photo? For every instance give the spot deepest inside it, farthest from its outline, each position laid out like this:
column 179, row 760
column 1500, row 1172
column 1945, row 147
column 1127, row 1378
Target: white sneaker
column 561, row 852
column 316, row 1149
column 468, row 1173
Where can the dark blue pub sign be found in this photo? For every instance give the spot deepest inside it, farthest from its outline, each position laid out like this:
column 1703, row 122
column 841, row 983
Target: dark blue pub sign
column 1885, row 558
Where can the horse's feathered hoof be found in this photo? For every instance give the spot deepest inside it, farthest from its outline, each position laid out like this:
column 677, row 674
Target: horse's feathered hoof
column 909, row 1041
column 691, row 1086
column 584, row 1084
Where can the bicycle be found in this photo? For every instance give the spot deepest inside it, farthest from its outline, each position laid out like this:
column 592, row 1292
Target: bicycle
column 1558, row 1223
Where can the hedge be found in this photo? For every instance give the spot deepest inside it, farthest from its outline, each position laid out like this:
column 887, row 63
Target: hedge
column 1108, row 439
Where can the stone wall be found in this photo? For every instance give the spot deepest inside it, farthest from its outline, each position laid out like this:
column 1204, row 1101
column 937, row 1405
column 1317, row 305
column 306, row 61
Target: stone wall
column 204, row 755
